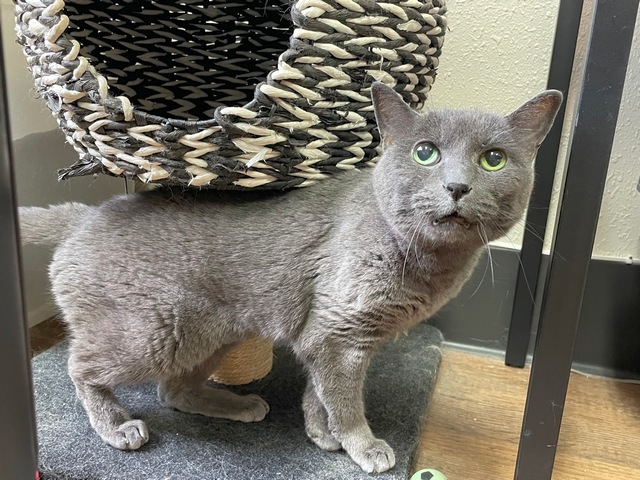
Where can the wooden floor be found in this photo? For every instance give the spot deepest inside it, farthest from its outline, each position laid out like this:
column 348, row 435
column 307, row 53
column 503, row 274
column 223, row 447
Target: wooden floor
column 473, row 426
column 45, row 335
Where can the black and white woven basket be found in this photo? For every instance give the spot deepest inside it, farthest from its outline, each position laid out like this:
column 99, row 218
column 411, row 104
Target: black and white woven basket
column 266, row 94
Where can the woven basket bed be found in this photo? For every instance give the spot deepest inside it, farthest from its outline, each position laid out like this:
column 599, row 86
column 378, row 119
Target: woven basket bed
column 267, row 94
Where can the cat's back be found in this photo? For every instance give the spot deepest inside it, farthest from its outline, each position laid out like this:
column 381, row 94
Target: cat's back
column 189, row 210
column 179, row 228
column 166, row 207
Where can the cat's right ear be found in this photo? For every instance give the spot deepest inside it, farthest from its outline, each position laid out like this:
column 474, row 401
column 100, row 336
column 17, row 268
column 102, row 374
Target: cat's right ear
column 393, row 115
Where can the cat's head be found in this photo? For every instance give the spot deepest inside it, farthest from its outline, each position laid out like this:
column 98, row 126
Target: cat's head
column 457, row 176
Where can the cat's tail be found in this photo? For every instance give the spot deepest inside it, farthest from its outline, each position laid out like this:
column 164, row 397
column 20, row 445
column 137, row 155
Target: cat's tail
column 50, row 225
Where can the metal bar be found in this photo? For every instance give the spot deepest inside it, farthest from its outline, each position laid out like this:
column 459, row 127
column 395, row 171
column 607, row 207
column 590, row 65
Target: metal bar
column 564, row 47
column 18, row 446
column 590, row 148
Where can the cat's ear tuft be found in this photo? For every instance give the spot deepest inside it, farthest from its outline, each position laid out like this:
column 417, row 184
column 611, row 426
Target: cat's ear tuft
column 535, row 118
column 393, row 115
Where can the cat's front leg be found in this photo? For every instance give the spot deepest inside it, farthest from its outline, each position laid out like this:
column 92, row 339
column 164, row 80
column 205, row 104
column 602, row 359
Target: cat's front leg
column 316, row 421
column 337, row 375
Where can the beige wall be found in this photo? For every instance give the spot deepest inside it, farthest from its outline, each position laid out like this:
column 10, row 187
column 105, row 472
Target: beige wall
column 495, row 57
column 39, row 150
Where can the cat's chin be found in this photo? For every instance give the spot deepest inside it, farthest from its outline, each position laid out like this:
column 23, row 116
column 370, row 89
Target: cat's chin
column 452, row 220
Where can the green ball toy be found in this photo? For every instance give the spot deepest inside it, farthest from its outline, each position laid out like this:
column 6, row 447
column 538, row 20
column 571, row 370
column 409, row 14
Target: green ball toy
column 428, row 474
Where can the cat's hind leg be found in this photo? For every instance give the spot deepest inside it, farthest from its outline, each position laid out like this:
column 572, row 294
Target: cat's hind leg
column 190, row 393
column 107, row 417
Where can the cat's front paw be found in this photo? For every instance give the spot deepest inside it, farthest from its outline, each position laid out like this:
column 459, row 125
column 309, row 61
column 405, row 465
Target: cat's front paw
column 374, row 457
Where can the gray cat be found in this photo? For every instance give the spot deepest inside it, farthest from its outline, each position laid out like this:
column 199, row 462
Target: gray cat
column 156, row 286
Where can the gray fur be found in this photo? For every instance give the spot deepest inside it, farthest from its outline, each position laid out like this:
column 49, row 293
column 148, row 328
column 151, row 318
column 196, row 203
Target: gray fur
column 155, row 286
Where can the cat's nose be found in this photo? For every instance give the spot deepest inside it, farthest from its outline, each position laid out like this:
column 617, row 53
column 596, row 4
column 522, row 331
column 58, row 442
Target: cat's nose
column 457, row 190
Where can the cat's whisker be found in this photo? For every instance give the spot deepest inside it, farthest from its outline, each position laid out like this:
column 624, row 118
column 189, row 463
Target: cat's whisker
column 533, row 232
column 386, row 234
column 530, row 207
column 406, row 255
column 529, row 229
column 520, row 220
column 485, row 240
column 415, row 245
column 526, row 280
column 484, row 275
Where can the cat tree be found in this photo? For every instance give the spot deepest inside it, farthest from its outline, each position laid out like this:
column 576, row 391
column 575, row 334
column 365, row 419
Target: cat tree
column 227, row 95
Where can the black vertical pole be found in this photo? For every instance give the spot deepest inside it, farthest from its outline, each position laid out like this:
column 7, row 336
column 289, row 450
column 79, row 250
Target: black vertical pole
column 590, row 147
column 18, row 456
column 564, row 47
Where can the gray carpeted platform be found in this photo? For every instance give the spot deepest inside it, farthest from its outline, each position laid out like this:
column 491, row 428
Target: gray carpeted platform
column 184, row 446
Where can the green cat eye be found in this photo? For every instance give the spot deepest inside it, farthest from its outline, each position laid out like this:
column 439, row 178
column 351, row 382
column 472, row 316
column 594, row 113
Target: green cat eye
column 493, row 160
column 426, row 153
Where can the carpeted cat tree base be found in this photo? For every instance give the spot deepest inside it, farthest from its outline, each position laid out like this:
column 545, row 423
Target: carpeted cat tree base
column 184, row 446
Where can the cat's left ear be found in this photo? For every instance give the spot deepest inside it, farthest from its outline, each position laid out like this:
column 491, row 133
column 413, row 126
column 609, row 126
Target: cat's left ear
column 534, row 119
column 393, row 115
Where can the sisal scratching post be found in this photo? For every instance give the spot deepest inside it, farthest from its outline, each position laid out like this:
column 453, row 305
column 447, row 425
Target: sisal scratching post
column 248, row 361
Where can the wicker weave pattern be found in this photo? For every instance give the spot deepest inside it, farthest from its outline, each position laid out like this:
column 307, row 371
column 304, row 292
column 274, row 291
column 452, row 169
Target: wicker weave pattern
column 183, row 59
column 311, row 117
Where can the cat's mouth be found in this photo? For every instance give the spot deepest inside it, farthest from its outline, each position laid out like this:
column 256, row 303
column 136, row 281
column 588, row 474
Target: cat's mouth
column 454, row 217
